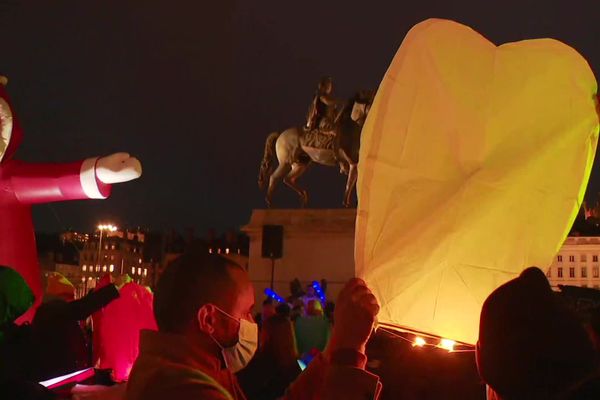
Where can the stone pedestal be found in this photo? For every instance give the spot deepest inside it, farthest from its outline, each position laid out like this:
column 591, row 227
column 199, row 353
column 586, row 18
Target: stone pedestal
column 317, row 244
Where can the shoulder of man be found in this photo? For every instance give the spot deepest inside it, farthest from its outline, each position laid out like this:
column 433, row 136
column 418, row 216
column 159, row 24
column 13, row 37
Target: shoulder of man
column 186, row 383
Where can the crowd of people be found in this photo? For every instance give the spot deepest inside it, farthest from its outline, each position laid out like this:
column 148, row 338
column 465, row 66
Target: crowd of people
column 208, row 345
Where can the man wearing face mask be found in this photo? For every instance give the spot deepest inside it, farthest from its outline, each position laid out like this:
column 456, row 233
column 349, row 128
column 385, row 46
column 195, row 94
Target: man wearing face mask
column 203, row 305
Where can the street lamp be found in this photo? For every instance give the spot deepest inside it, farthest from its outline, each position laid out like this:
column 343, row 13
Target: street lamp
column 102, row 228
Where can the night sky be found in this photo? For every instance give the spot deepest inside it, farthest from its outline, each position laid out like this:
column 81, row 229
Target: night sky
column 192, row 88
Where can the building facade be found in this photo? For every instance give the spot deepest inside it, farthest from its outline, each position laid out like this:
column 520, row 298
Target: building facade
column 116, row 252
column 576, row 264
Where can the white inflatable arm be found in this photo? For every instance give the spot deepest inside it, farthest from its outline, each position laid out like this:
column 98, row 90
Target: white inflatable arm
column 117, row 168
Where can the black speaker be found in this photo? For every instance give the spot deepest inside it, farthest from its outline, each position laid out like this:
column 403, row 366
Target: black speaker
column 272, row 241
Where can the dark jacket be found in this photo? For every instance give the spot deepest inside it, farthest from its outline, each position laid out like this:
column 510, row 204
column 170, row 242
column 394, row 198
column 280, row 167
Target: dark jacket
column 59, row 343
column 264, row 379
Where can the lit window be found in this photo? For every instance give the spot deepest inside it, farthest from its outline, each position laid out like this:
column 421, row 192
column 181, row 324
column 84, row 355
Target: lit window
column 139, row 271
column 583, row 257
column 89, row 278
column 104, row 268
column 584, row 272
column 560, row 272
column 112, row 258
column 572, row 258
column 83, row 279
column 97, row 268
column 145, row 271
column 227, row 250
column 140, row 261
column 105, row 247
column 133, row 270
column 571, row 272
column 595, row 258
column 84, row 268
column 549, row 272
column 112, row 246
column 112, row 267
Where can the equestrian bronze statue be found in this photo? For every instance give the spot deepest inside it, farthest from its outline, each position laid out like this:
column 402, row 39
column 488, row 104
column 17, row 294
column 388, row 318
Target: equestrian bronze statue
column 298, row 146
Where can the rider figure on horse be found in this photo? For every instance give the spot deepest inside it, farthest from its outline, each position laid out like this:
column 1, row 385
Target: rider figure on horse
column 323, row 114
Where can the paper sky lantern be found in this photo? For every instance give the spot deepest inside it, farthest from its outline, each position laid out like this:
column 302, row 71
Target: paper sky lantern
column 473, row 165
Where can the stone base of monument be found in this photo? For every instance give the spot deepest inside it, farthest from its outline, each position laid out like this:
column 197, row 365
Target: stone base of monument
column 317, row 244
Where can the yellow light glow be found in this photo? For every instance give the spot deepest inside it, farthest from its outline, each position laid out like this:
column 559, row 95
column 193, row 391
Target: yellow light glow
column 419, row 342
column 107, row 227
column 133, row 270
column 139, row 271
column 447, row 344
column 104, row 268
column 112, row 267
column 477, row 114
column 84, row 268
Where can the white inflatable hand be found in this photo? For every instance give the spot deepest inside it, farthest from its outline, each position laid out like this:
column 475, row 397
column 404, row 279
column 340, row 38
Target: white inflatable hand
column 117, row 168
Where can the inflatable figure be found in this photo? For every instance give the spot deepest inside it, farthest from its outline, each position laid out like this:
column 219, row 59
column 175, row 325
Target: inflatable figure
column 24, row 184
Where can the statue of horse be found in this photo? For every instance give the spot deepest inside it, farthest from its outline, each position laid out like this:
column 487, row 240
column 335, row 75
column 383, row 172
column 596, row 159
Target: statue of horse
column 296, row 149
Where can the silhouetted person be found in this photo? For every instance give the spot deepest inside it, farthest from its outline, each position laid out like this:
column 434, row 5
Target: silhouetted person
column 59, row 343
column 275, row 364
column 312, row 330
column 16, row 298
column 530, row 347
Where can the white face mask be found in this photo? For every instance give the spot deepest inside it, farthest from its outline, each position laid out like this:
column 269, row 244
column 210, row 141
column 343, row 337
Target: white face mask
column 240, row 354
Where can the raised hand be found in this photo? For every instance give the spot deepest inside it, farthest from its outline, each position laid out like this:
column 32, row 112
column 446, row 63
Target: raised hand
column 117, row 168
column 354, row 317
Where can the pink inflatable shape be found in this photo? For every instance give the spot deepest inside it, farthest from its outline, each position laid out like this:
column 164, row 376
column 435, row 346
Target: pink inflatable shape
column 24, row 184
column 117, row 329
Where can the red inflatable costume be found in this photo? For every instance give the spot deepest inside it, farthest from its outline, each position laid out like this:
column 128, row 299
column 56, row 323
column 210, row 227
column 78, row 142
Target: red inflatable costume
column 23, row 184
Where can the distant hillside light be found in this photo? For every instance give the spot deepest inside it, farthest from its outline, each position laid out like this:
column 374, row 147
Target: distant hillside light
column 107, row 227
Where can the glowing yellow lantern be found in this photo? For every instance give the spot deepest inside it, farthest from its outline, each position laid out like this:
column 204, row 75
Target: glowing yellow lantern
column 473, row 164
